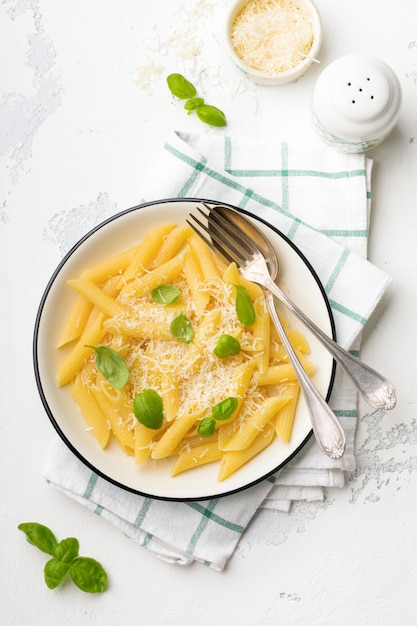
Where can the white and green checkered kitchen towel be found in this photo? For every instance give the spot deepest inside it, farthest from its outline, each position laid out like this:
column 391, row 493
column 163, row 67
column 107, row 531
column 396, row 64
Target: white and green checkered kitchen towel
column 320, row 199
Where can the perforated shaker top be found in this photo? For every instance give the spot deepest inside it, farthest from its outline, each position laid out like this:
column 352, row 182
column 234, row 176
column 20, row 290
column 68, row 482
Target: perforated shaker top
column 356, row 100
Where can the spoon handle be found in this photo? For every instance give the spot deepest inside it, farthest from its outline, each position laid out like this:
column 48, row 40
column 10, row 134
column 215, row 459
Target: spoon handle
column 374, row 388
column 327, row 430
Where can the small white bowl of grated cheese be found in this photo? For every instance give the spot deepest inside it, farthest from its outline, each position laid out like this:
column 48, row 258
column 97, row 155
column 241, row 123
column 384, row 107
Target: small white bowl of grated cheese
column 273, row 42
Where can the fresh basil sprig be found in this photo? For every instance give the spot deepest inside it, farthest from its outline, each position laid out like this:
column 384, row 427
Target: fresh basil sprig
column 111, row 365
column 86, row 573
column 183, row 89
column 165, row 294
column 148, row 408
column 227, row 345
column 244, row 307
column 181, row 328
column 220, row 412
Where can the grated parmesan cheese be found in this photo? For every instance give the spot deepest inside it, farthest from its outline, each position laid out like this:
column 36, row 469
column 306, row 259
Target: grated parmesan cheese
column 272, row 36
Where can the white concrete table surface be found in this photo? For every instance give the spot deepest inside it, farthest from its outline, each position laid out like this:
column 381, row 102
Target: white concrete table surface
column 84, row 109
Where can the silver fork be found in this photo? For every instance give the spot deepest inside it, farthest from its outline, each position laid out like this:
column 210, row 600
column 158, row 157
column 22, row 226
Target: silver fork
column 233, row 244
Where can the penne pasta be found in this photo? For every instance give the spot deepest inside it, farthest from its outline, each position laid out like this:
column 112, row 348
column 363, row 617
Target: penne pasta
column 92, row 412
column 206, row 389
column 195, row 457
column 235, row 459
column 146, row 252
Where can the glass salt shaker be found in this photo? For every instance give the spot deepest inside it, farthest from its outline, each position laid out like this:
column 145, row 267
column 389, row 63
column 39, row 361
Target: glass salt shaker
column 356, row 102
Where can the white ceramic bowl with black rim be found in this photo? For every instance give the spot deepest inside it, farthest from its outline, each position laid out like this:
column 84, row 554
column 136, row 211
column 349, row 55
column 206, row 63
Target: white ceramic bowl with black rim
column 153, row 479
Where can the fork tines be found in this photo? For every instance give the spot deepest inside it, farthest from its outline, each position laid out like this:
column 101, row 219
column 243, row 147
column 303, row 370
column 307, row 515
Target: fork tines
column 222, row 235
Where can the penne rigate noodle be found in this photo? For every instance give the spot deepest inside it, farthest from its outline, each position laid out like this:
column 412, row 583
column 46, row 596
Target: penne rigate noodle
column 171, row 245
column 73, row 362
column 235, row 459
column 171, row 437
column 284, row 419
column 91, row 411
column 276, row 374
column 159, row 276
column 76, row 321
column 124, row 436
column 243, row 438
column 97, row 296
column 146, row 251
column 143, row 330
column 195, row 279
column 110, row 267
column 198, row 456
column 205, row 258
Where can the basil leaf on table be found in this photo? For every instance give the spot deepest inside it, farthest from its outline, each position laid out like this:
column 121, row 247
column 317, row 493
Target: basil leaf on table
column 244, row 307
column 148, row 408
column 39, row 536
column 211, row 115
column 181, row 87
column 67, row 550
column 87, row 574
column 54, row 572
column 184, row 90
column 165, row 294
column 193, row 103
column 111, row 365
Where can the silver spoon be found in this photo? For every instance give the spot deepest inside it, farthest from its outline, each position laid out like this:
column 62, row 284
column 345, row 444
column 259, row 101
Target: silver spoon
column 374, row 388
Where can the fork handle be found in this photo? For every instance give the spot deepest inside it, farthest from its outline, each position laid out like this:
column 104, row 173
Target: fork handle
column 327, row 430
column 374, row 388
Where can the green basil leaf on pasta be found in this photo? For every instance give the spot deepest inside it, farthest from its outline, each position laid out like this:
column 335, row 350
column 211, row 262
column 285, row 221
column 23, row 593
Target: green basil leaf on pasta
column 165, row 294
column 148, row 408
column 206, row 427
column 244, row 307
column 111, row 365
column 226, row 346
column 181, row 328
column 224, row 409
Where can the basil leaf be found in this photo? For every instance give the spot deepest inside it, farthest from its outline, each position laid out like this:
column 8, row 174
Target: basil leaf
column 39, row 536
column 244, row 307
column 88, row 574
column 206, row 427
column 165, row 294
column 181, row 328
column 181, row 87
column 226, row 346
column 54, row 572
column 193, row 103
column 211, row 115
column 67, row 550
column 148, row 408
column 224, row 409
column 111, row 365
